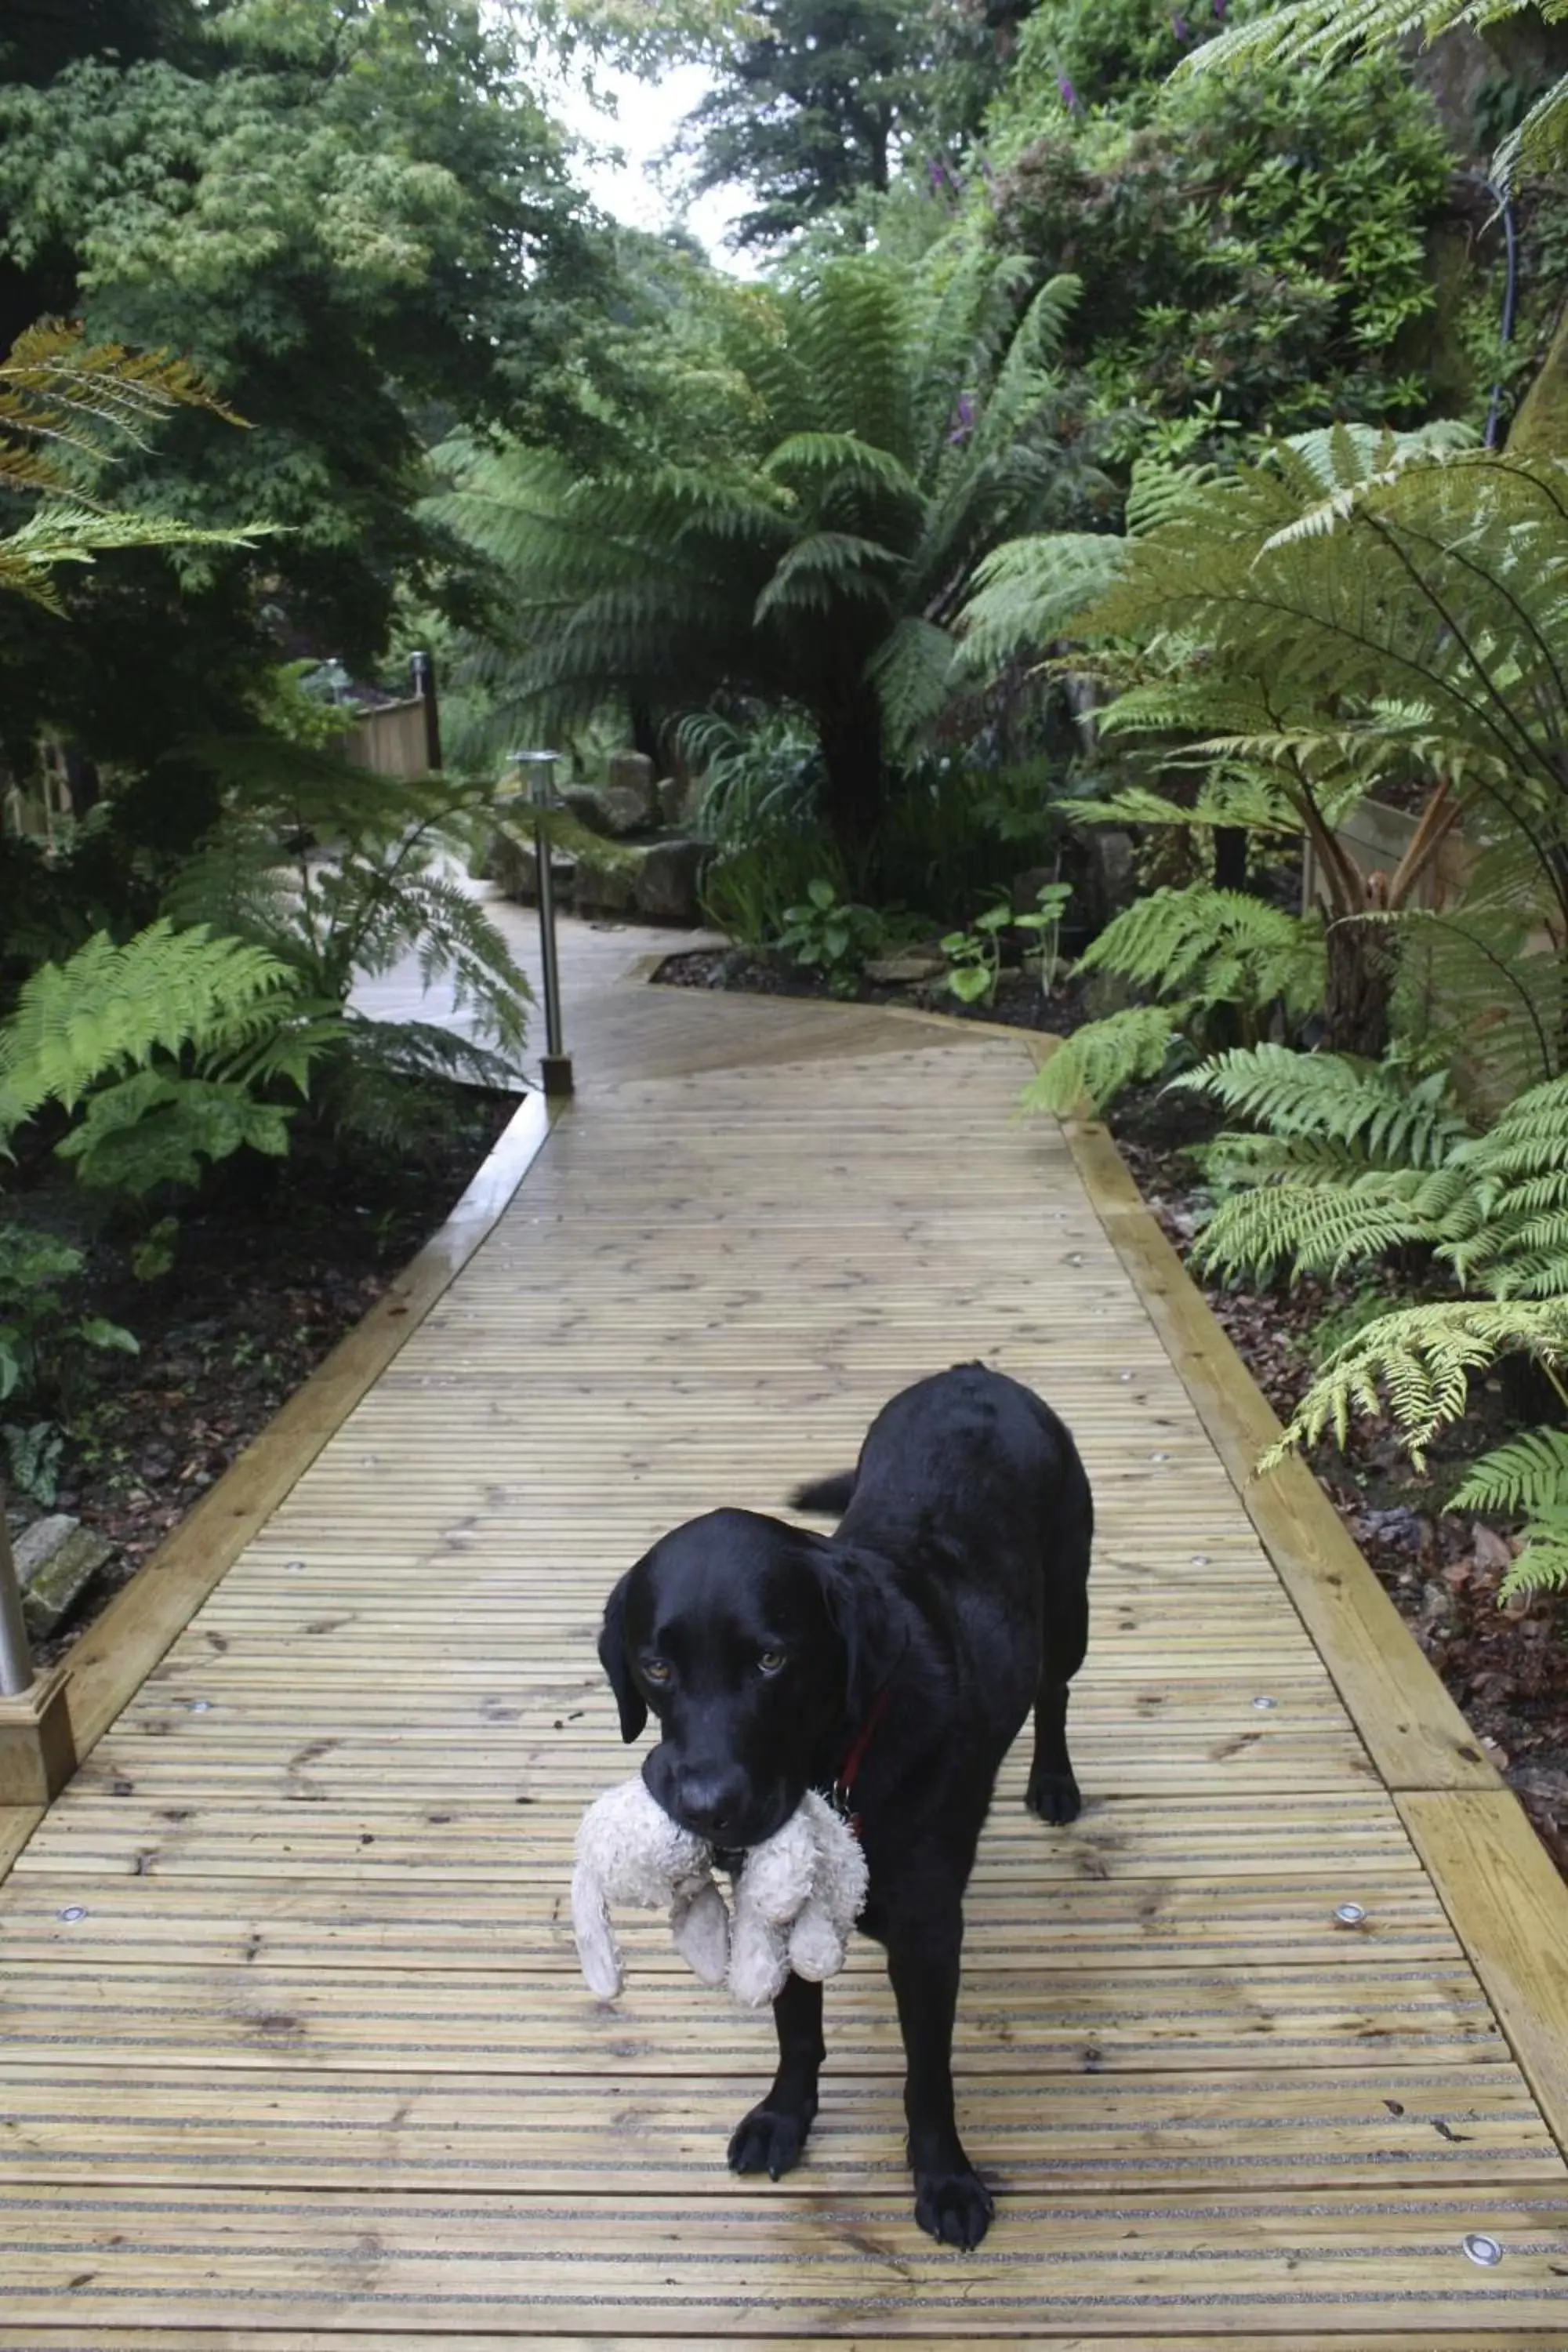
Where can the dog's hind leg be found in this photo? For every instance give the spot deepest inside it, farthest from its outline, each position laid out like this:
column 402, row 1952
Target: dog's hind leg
column 1053, row 1790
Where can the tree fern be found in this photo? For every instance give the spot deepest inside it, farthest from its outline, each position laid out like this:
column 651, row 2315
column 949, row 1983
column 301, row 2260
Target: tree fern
column 904, row 423
column 1528, row 1474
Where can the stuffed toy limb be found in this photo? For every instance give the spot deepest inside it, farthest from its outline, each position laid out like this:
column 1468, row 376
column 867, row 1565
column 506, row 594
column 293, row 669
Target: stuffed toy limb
column 796, row 1899
column 797, row 1895
column 629, row 1851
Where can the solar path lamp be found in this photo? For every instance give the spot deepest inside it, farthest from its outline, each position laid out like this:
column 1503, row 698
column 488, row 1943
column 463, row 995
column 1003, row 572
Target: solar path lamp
column 536, row 772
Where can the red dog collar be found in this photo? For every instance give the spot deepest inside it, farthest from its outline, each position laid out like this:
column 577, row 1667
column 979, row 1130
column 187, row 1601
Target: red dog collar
column 849, row 1770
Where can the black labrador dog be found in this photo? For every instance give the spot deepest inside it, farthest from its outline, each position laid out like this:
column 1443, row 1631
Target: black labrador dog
column 892, row 1663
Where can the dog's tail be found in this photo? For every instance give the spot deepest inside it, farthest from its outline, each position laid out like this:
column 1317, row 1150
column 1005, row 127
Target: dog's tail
column 828, row 1496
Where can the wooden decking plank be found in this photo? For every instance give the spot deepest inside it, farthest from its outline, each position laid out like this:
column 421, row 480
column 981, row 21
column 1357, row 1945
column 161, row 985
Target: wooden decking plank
column 1383, row 2126
column 1510, row 1908
column 513, row 2021
column 1348, row 2262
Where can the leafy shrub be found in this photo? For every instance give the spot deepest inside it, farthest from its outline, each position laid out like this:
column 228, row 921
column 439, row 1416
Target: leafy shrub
column 1261, row 239
column 42, row 1339
column 974, row 955
column 832, row 935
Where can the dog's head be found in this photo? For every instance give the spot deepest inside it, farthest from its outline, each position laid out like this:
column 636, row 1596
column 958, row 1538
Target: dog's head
column 758, row 1648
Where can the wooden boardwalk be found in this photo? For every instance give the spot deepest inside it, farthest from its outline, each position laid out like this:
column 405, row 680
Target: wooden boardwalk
column 293, row 2053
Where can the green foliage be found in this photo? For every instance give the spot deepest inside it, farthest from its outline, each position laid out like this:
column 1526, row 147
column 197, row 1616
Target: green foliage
column 66, row 406
column 1353, row 607
column 1528, row 1477
column 1358, row 1159
column 388, row 891
column 974, row 954
column 1214, row 959
column 355, row 223
column 1215, row 946
column 899, row 421
column 1417, row 1364
column 110, row 1009
column 42, row 1339
column 1324, row 32
column 747, row 890
column 33, row 1452
column 756, row 777
column 1257, row 249
column 1096, row 1063
column 832, row 935
column 806, row 112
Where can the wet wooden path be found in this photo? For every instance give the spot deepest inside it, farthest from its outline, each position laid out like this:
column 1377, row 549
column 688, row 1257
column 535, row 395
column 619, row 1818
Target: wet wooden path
column 293, row 2053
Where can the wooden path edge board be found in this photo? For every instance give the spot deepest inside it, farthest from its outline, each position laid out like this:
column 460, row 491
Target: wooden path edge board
column 116, row 1654
column 1495, row 1881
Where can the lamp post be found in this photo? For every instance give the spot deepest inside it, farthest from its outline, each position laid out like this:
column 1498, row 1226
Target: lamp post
column 38, row 1752
column 555, row 1063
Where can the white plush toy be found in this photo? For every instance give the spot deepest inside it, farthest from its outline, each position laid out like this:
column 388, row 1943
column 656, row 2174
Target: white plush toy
column 629, row 1851
column 797, row 1899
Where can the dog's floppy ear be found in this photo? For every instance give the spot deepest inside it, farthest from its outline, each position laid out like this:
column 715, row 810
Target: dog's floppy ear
column 617, row 1666
column 858, row 1614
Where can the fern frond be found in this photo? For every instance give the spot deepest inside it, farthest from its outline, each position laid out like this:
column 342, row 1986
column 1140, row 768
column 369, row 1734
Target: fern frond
column 1312, row 1227
column 1031, row 592
column 1542, row 1565
column 1528, row 1474
column 1096, row 1062
column 1219, row 945
column 1389, row 1118
column 1418, row 1362
column 108, row 1009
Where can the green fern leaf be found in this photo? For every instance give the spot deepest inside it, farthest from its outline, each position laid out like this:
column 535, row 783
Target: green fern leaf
column 1096, row 1062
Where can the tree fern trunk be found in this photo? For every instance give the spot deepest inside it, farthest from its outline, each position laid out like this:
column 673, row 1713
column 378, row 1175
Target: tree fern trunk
column 1360, row 988
column 851, row 734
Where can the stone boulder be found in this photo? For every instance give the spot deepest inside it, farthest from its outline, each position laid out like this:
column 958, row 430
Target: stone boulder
column 605, row 891
column 667, row 880
column 677, row 798
column 610, row 810
column 55, row 1558
column 631, row 773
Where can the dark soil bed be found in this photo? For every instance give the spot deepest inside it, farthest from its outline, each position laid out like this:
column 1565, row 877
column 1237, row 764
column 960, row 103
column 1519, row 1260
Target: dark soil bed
column 275, row 1261
column 1019, row 1001
column 1506, row 1668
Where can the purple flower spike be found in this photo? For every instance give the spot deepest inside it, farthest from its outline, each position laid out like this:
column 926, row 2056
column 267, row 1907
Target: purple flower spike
column 1181, row 28
column 1069, row 95
column 962, row 419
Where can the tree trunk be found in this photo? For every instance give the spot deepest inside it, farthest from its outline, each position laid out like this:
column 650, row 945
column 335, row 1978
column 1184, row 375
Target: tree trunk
column 1360, row 989
column 851, row 737
column 1230, row 858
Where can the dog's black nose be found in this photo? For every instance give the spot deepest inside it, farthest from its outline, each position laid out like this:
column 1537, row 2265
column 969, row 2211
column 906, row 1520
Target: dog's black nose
column 711, row 1803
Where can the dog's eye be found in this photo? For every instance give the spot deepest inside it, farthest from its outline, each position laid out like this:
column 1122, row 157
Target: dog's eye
column 657, row 1669
column 770, row 1661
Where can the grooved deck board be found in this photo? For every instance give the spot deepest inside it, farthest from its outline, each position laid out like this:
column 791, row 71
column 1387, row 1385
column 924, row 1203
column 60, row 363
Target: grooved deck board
column 293, row 2054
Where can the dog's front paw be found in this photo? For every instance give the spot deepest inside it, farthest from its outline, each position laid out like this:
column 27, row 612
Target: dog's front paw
column 1055, row 1797
column 954, row 2206
column 770, row 2139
